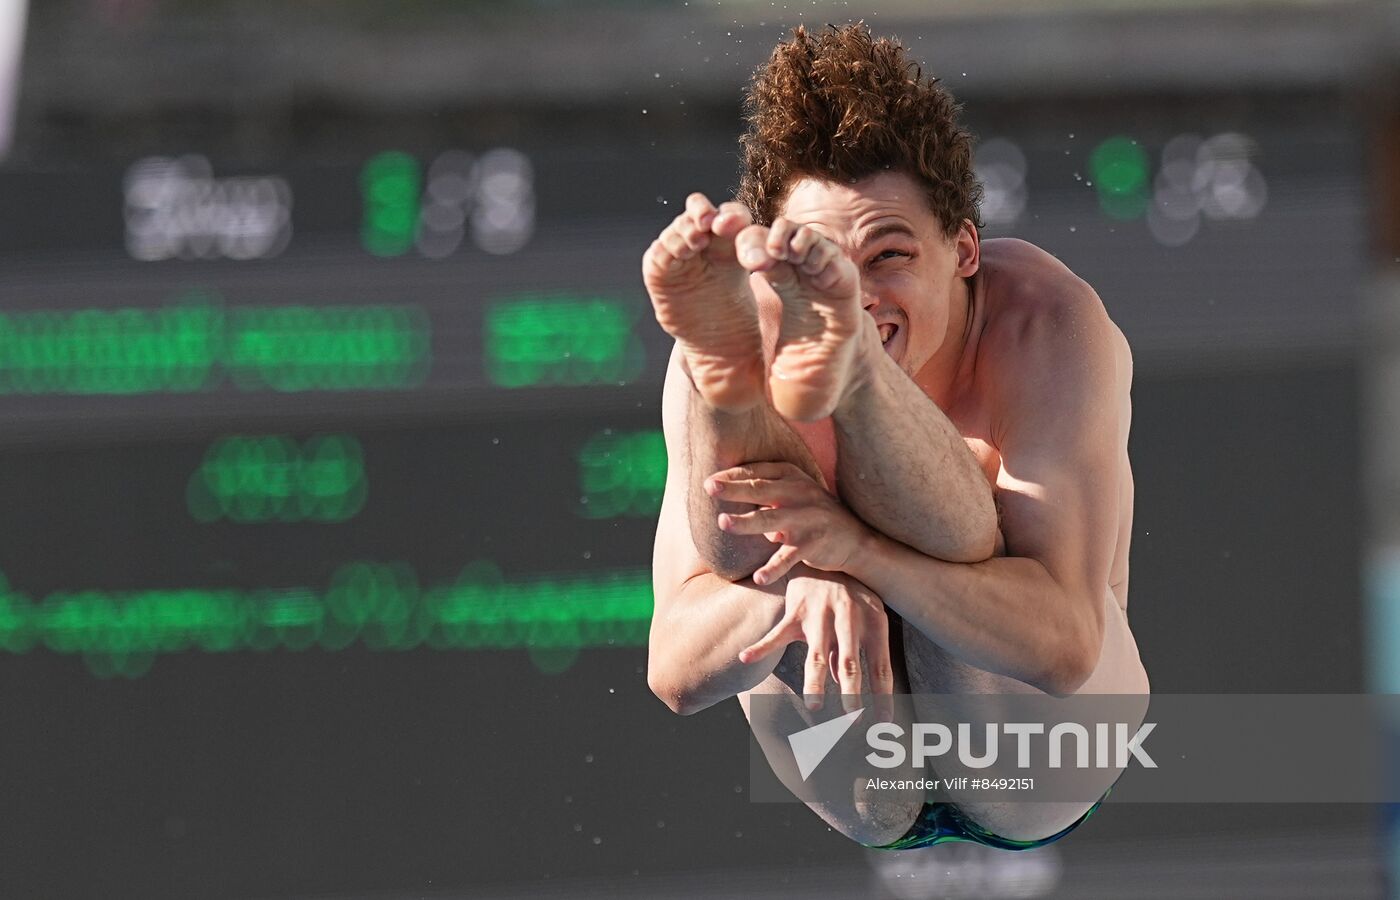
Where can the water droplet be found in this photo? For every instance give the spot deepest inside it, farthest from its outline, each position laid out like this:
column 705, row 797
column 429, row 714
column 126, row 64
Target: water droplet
column 1072, row 228
column 588, row 758
column 597, row 840
column 495, row 440
column 644, row 112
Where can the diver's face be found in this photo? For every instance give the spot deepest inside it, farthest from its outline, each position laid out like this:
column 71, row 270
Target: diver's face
column 910, row 272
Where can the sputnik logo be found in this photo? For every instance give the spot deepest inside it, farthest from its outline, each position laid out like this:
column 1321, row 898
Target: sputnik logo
column 811, row 745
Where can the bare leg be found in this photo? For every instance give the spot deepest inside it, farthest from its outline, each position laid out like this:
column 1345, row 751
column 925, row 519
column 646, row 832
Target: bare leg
column 903, row 467
column 720, row 440
column 931, row 670
column 899, row 458
column 702, row 298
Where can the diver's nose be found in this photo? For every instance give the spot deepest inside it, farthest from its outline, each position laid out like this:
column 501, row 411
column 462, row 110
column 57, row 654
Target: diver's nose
column 868, row 300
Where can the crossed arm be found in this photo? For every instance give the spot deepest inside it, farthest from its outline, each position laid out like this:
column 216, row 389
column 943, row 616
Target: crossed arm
column 1034, row 613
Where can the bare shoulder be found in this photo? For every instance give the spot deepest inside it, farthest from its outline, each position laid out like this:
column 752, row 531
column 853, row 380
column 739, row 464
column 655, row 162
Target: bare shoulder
column 1036, row 304
column 1045, row 328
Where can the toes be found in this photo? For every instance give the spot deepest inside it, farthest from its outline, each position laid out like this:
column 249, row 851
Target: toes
column 699, row 208
column 731, row 219
column 674, row 242
column 812, row 253
column 685, row 237
column 805, row 245
column 812, row 256
column 751, row 246
column 782, row 277
column 780, row 237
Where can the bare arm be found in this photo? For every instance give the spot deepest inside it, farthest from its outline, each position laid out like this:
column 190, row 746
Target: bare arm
column 696, row 635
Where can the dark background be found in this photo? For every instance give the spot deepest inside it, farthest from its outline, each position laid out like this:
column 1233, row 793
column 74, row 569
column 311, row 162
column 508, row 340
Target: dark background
column 426, row 773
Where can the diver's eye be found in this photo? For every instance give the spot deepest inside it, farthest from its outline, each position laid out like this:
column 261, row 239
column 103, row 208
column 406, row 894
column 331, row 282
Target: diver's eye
column 887, row 254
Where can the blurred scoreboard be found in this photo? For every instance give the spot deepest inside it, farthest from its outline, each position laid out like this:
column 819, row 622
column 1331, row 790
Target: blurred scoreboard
column 410, row 400
column 316, row 410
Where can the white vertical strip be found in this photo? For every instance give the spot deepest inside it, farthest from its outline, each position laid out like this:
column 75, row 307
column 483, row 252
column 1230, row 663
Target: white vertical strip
column 13, row 15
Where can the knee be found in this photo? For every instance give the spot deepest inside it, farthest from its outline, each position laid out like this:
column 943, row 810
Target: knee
column 731, row 562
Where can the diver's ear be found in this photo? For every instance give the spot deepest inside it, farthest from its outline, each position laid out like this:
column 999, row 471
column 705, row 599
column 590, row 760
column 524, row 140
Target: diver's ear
column 968, row 246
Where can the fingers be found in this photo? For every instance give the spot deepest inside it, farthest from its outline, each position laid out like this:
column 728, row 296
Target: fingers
column 818, row 634
column 778, row 480
column 763, row 491
column 877, row 664
column 760, row 521
column 778, row 565
column 779, row 636
column 776, row 469
column 846, row 665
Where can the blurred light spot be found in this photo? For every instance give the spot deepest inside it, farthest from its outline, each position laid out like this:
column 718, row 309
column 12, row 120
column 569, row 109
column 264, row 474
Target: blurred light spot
column 177, row 208
column 196, row 343
column 535, row 340
column 1215, row 178
column 1001, row 168
column 1119, row 171
column 254, row 479
column 622, row 474
column 378, row 605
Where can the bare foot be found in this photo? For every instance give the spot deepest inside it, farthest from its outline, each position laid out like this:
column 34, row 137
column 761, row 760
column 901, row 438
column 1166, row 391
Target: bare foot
column 819, row 338
column 702, row 298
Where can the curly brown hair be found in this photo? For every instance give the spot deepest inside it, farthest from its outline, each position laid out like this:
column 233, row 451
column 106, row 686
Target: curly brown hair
column 842, row 105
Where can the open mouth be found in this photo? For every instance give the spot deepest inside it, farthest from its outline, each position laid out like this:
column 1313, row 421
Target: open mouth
column 887, row 332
